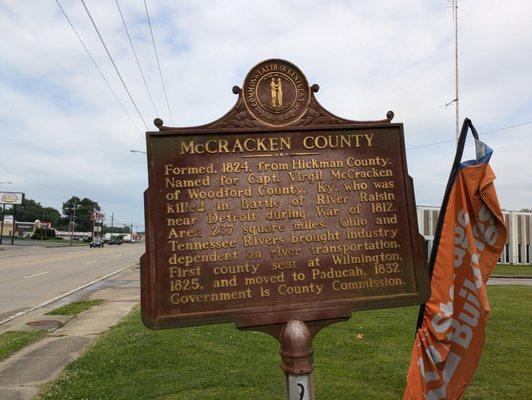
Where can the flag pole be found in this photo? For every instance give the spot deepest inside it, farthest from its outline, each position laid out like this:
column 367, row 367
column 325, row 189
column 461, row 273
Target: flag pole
column 457, row 99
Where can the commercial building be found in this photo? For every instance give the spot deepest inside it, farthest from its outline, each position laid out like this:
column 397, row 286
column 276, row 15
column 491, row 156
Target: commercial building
column 519, row 224
column 22, row 229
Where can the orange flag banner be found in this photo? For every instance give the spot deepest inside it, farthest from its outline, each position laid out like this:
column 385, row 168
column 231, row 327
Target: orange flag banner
column 470, row 236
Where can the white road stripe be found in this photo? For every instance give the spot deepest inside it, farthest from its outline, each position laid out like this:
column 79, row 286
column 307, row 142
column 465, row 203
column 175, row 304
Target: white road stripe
column 118, row 255
column 12, row 317
column 40, row 273
column 90, row 262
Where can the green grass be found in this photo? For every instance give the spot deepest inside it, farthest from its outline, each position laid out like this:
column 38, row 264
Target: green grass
column 513, row 270
column 10, row 342
column 220, row 362
column 75, row 308
column 63, row 243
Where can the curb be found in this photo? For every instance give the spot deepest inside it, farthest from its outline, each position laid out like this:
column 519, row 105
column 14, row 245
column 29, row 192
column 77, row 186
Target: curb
column 12, row 317
column 511, row 277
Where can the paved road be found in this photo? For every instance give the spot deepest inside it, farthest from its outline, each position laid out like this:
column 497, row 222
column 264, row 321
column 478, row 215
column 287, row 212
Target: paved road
column 30, row 276
column 49, row 243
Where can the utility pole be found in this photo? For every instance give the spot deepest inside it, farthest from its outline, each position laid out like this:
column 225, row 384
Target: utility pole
column 73, row 222
column 2, row 228
column 14, row 224
column 112, row 224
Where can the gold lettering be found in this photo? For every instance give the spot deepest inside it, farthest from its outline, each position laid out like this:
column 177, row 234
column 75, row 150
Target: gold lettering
column 254, row 144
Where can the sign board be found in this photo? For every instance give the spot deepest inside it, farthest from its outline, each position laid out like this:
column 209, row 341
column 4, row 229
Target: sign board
column 12, row 198
column 8, row 219
column 97, row 216
column 277, row 211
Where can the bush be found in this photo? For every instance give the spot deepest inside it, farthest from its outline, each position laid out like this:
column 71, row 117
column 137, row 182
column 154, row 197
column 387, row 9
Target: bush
column 43, row 233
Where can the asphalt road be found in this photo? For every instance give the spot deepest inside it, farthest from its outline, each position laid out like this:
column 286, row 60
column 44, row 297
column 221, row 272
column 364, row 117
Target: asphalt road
column 31, row 275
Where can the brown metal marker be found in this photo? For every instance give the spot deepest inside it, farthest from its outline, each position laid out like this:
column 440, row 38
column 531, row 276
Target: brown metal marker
column 280, row 217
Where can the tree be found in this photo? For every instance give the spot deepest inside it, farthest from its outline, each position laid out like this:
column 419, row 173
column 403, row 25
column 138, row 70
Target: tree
column 116, row 229
column 50, row 214
column 70, row 205
column 43, row 233
column 83, row 210
column 30, row 210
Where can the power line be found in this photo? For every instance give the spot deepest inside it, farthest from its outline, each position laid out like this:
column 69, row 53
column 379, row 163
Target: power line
column 113, row 62
column 97, row 67
column 158, row 63
column 136, row 58
column 480, row 133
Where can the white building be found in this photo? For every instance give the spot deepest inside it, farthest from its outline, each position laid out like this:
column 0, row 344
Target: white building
column 519, row 224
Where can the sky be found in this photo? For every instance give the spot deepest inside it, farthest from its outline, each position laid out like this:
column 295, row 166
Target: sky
column 62, row 133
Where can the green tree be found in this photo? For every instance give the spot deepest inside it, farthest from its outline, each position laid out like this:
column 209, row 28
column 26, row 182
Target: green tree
column 70, row 205
column 116, row 229
column 83, row 209
column 31, row 210
column 43, row 233
column 50, row 214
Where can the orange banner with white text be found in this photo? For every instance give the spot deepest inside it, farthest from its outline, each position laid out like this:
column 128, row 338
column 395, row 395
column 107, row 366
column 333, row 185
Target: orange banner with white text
column 469, row 239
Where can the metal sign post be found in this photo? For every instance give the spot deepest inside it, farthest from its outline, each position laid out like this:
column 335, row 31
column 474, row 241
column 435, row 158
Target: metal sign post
column 11, row 198
column 14, row 224
column 297, row 363
column 299, row 387
column 297, row 355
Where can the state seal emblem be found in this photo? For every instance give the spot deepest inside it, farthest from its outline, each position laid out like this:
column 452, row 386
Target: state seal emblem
column 276, row 92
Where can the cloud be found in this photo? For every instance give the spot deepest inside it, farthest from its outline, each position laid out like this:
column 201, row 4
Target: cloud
column 63, row 133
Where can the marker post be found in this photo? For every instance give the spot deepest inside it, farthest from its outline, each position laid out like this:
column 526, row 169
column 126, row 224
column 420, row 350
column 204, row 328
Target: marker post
column 297, row 361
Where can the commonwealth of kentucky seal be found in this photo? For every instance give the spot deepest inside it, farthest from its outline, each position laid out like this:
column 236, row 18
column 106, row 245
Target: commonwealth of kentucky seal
column 276, row 92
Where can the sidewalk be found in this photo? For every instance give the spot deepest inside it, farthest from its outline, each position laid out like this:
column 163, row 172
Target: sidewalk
column 23, row 373
column 509, row 280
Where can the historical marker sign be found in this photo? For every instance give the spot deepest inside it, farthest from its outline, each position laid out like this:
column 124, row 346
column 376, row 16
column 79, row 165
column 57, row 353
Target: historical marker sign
column 277, row 211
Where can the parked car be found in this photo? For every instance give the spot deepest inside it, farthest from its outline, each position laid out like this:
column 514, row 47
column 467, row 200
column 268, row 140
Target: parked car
column 115, row 241
column 96, row 243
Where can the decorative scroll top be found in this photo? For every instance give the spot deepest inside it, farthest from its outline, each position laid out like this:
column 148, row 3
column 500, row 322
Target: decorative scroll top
column 275, row 94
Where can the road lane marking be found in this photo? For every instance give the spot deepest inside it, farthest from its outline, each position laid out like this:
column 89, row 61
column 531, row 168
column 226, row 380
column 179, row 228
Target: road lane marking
column 118, row 255
column 12, row 317
column 40, row 273
column 59, row 258
column 90, row 262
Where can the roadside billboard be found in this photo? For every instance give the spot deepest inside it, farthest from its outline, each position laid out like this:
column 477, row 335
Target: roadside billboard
column 12, row 198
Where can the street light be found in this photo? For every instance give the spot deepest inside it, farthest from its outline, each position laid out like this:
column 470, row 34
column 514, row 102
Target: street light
column 138, row 151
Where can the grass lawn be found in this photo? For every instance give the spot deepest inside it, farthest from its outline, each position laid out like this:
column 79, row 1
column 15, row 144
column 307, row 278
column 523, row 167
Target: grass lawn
column 10, row 342
column 512, row 270
column 220, row 362
column 75, row 308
